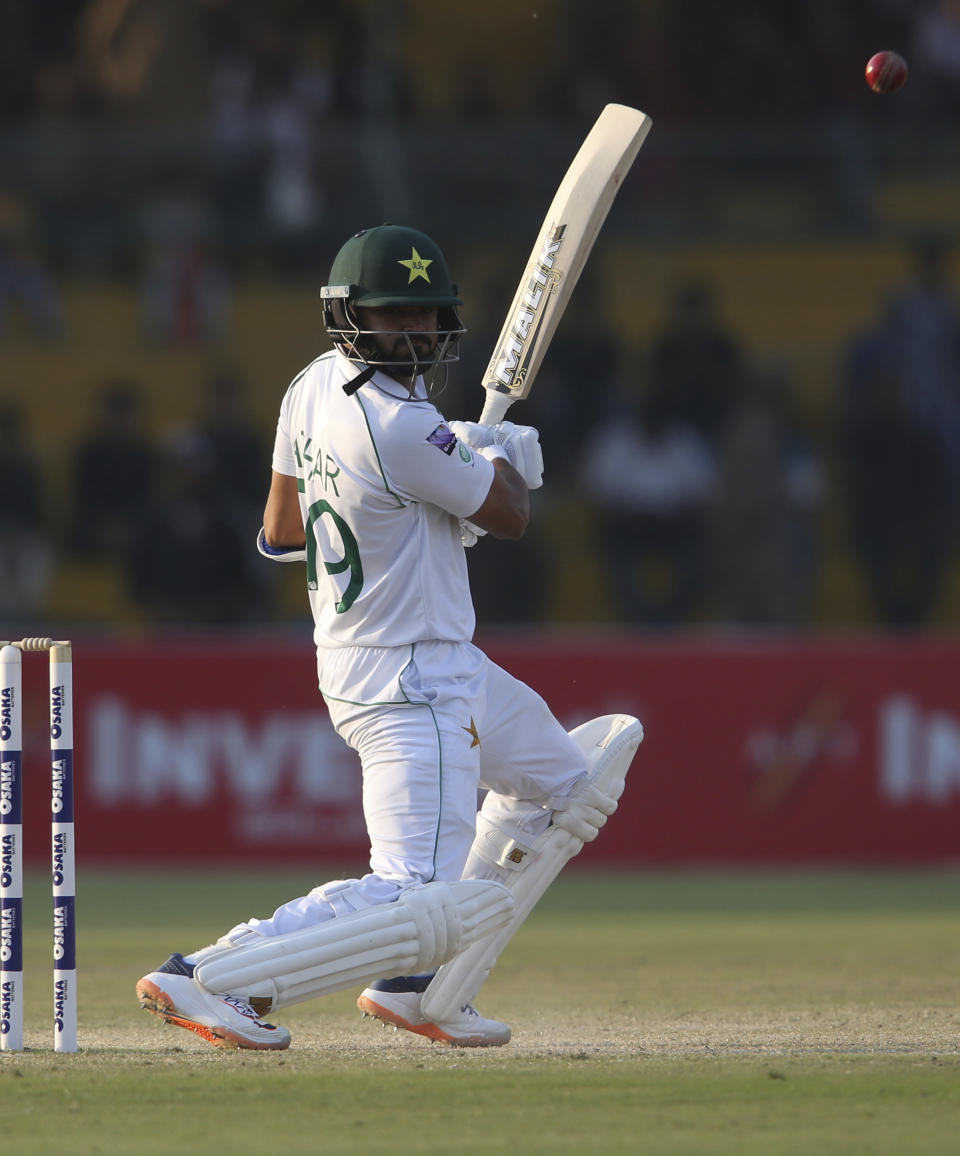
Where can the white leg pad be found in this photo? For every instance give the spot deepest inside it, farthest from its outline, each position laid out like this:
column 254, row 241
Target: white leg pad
column 528, row 869
column 426, row 926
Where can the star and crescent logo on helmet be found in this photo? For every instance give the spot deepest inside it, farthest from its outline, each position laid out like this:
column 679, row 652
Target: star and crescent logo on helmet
column 417, row 266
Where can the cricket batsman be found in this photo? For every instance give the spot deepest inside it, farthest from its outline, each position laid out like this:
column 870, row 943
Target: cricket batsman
column 376, row 496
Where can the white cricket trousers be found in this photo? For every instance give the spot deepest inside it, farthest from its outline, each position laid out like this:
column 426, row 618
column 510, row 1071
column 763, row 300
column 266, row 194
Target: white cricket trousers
column 456, row 723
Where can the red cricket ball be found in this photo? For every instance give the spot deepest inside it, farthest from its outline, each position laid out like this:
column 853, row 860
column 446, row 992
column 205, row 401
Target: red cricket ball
column 886, row 71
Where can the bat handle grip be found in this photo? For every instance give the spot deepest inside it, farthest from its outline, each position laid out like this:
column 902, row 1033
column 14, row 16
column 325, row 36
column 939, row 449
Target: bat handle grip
column 495, row 407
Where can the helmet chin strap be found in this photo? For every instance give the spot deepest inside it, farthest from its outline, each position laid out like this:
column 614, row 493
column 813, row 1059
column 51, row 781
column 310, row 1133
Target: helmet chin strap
column 351, row 387
column 436, row 385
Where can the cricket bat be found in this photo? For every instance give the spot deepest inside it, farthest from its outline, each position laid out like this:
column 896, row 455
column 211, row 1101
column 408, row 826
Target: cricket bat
column 563, row 245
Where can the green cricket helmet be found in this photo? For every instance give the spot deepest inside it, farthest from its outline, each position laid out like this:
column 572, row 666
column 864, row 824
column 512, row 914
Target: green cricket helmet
column 391, row 265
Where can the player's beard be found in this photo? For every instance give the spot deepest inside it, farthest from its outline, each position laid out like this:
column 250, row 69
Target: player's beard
column 410, row 353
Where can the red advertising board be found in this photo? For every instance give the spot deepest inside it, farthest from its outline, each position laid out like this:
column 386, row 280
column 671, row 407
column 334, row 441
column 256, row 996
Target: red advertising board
column 778, row 751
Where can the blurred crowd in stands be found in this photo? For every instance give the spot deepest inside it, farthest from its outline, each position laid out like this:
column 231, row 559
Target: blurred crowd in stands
column 699, row 486
column 175, row 516
column 708, row 491
column 272, row 99
column 695, row 480
column 293, row 60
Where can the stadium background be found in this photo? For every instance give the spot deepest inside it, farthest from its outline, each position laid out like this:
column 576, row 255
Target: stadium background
column 176, row 179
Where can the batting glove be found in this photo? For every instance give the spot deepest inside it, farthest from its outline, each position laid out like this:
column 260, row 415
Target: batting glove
column 472, row 434
column 469, row 533
column 522, row 446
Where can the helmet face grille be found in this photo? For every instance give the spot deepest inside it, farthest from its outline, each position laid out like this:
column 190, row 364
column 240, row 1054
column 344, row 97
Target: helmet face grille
column 392, row 265
column 361, row 345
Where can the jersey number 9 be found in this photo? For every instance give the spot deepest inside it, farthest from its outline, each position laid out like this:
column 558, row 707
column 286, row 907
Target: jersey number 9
column 350, row 560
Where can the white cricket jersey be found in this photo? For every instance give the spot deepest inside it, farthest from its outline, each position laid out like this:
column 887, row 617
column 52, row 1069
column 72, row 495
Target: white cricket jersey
column 383, row 483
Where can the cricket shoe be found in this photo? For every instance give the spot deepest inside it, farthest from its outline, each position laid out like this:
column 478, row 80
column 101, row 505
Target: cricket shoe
column 225, row 1021
column 397, row 1002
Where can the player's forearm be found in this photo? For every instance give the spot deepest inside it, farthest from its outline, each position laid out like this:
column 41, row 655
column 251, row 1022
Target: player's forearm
column 282, row 517
column 505, row 512
column 279, row 538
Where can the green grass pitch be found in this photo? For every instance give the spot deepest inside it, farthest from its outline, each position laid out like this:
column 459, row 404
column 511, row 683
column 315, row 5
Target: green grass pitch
column 653, row 1013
